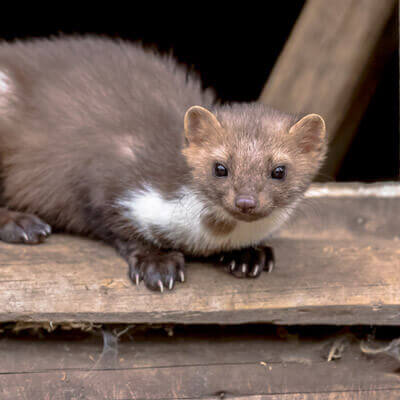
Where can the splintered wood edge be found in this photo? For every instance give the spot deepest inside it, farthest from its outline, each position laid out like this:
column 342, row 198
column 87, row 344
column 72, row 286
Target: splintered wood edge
column 354, row 190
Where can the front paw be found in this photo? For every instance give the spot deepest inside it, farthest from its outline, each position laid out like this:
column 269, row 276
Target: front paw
column 158, row 269
column 249, row 262
column 18, row 227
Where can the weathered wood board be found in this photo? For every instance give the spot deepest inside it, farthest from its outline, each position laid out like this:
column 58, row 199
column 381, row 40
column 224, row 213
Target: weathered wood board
column 338, row 262
column 331, row 65
column 191, row 366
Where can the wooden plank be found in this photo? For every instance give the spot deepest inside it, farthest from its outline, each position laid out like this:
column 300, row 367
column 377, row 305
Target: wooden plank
column 162, row 383
column 350, row 395
column 331, row 65
column 190, row 366
column 337, row 263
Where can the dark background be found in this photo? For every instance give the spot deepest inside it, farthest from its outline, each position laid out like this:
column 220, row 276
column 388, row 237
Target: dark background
column 234, row 53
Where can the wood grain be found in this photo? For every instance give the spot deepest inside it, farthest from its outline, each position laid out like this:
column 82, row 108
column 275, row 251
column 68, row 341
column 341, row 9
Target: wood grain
column 338, row 262
column 191, row 366
column 348, row 395
column 331, row 65
column 173, row 383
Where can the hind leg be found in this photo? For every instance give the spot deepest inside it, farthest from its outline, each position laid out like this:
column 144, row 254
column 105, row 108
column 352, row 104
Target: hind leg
column 18, row 227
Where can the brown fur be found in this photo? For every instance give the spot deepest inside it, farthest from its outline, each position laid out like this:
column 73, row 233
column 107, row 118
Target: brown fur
column 90, row 118
column 87, row 119
column 218, row 227
column 251, row 140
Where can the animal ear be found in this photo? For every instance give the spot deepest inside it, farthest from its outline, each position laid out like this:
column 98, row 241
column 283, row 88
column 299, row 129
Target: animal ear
column 199, row 124
column 309, row 133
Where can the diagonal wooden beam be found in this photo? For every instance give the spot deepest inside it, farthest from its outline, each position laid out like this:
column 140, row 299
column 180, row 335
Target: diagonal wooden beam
column 331, row 64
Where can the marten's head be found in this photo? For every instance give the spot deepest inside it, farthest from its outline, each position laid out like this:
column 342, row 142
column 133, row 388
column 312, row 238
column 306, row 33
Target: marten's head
column 249, row 160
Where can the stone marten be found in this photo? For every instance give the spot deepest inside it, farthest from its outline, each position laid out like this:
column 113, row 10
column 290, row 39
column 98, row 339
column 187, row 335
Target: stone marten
column 100, row 137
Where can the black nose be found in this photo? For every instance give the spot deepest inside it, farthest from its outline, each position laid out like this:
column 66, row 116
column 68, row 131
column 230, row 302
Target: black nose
column 245, row 203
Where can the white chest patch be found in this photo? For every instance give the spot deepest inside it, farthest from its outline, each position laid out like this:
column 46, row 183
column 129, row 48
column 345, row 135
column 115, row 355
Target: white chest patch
column 180, row 221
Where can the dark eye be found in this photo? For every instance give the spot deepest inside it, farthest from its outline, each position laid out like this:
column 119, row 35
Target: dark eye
column 278, row 172
column 220, row 170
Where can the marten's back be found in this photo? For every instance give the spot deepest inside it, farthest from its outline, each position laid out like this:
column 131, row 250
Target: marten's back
column 84, row 113
column 98, row 82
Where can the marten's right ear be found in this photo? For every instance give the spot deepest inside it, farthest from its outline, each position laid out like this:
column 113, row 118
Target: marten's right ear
column 200, row 124
column 310, row 133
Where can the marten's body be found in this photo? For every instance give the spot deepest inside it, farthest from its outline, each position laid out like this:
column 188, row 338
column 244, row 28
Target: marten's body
column 100, row 137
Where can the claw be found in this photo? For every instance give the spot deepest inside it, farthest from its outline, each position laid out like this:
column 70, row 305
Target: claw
column 161, row 286
column 25, row 236
column 244, row 268
column 255, row 270
column 171, row 284
column 137, row 279
column 232, row 265
column 221, row 258
column 47, row 229
column 182, row 276
column 270, row 266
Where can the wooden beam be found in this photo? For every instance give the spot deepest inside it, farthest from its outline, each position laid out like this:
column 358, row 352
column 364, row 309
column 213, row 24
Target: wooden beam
column 338, row 262
column 331, row 64
column 190, row 365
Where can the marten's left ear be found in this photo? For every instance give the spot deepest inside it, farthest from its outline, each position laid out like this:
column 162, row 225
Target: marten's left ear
column 200, row 124
column 310, row 133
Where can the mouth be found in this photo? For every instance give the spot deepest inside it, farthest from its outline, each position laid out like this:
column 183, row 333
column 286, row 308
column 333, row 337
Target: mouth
column 248, row 217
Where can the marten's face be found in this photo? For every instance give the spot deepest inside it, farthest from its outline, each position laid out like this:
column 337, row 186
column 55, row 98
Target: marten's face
column 249, row 160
